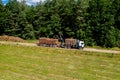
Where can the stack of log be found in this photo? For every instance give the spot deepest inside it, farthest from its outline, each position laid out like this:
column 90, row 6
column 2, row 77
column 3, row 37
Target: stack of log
column 42, row 41
column 49, row 42
column 70, row 42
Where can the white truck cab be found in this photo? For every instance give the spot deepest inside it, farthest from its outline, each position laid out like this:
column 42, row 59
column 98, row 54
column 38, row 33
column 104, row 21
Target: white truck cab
column 81, row 44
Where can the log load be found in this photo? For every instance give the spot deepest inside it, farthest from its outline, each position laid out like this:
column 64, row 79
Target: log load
column 48, row 42
column 70, row 42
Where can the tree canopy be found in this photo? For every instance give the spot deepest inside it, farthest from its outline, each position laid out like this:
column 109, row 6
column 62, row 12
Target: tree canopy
column 94, row 21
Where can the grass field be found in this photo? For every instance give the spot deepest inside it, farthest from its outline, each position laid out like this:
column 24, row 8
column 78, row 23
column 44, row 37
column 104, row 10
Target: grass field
column 40, row 63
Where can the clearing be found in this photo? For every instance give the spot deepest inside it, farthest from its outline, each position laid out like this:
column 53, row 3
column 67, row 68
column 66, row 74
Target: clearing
column 39, row 63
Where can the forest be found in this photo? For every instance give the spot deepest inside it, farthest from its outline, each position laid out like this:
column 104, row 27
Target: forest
column 94, row 21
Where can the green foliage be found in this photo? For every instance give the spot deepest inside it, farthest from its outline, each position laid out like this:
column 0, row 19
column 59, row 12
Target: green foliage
column 2, row 16
column 100, row 23
column 0, row 2
column 117, row 35
column 94, row 21
column 28, row 32
column 116, row 11
column 13, row 11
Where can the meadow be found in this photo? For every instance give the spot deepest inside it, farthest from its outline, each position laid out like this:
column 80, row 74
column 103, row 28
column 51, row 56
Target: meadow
column 42, row 63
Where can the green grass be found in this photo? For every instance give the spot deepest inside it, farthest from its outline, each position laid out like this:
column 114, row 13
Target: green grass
column 32, row 41
column 40, row 63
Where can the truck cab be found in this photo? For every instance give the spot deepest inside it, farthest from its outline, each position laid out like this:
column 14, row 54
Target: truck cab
column 81, row 44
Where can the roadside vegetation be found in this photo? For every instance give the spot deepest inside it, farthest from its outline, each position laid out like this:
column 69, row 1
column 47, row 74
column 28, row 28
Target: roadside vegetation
column 42, row 63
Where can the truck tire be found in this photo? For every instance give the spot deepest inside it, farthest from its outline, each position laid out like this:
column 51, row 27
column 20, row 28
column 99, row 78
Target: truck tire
column 81, row 48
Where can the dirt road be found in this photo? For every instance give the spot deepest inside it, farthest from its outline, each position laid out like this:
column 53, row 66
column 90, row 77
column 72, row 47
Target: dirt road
column 85, row 49
column 101, row 50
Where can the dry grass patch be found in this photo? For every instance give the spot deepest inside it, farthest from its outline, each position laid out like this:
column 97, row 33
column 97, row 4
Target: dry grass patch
column 11, row 38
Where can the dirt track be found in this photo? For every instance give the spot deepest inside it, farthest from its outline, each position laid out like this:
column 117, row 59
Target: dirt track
column 100, row 50
column 85, row 49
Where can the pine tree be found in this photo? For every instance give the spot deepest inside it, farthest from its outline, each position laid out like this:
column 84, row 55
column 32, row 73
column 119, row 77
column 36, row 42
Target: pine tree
column 2, row 18
column 13, row 10
column 100, row 22
column 1, row 2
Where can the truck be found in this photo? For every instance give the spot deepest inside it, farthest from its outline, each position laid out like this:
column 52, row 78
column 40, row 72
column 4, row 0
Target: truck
column 72, row 43
column 62, row 43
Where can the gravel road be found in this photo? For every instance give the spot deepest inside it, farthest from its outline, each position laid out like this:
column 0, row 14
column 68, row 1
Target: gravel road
column 85, row 49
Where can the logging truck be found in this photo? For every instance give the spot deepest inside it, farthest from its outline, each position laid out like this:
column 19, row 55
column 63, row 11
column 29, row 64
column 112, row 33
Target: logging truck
column 60, row 42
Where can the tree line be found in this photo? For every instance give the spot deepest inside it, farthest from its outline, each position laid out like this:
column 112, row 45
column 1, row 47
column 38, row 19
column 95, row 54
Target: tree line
column 94, row 21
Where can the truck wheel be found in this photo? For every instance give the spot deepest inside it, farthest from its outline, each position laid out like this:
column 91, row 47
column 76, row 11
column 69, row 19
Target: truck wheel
column 80, row 48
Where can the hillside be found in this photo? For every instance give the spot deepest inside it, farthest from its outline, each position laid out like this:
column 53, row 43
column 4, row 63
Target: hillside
column 40, row 63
